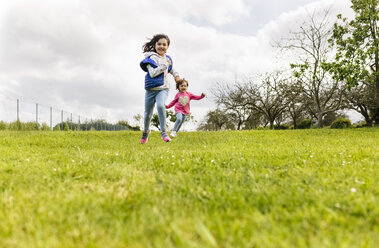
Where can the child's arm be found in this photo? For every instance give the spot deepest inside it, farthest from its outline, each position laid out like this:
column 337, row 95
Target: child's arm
column 172, row 103
column 194, row 97
column 161, row 67
column 153, row 72
column 175, row 74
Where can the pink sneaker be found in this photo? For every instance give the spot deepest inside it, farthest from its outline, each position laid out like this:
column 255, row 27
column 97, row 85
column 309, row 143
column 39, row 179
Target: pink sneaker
column 166, row 138
column 145, row 137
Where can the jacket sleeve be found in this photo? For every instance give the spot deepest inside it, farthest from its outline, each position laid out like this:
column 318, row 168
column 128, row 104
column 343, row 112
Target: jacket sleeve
column 172, row 103
column 153, row 72
column 151, row 65
column 194, row 97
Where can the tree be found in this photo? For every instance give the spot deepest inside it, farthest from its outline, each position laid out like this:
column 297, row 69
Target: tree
column 296, row 101
column 138, row 118
column 57, row 128
column 155, row 121
column 171, row 115
column 323, row 94
column 254, row 120
column 215, row 120
column 233, row 99
column 268, row 97
column 66, row 127
column 361, row 98
column 357, row 43
column 128, row 126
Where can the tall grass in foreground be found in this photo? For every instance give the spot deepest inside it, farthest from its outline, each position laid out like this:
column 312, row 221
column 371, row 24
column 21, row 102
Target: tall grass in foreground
column 294, row 188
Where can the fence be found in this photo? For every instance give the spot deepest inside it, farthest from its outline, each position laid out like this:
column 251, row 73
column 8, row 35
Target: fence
column 13, row 110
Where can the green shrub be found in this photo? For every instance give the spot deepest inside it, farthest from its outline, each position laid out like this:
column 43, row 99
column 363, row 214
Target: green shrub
column 3, row 125
column 66, row 127
column 30, row 126
column 305, row 124
column 260, row 128
column 341, row 123
column 45, row 127
column 360, row 125
column 281, row 126
column 16, row 126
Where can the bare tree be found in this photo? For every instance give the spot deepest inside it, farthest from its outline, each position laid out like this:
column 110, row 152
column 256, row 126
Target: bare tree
column 323, row 94
column 255, row 120
column 268, row 97
column 295, row 101
column 233, row 100
column 215, row 120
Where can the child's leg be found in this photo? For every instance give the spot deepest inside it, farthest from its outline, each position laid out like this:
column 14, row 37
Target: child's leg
column 161, row 99
column 178, row 122
column 181, row 122
column 149, row 107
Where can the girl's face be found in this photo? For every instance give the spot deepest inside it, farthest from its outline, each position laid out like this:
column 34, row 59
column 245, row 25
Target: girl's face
column 183, row 87
column 161, row 46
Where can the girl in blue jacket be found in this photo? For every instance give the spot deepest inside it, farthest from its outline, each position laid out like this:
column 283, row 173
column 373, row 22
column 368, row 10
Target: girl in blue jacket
column 157, row 65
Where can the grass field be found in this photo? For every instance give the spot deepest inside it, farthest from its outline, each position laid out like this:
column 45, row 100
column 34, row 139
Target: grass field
column 294, row 188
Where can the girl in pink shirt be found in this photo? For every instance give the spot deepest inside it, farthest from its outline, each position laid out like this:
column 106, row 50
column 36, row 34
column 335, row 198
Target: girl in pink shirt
column 182, row 104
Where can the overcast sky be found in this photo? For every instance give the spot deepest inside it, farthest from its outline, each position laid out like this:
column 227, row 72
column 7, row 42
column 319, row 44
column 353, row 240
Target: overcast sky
column 83, row 56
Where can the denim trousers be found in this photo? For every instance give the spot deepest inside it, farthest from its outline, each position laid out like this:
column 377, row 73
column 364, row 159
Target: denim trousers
column 180, row 118
column 152, row 97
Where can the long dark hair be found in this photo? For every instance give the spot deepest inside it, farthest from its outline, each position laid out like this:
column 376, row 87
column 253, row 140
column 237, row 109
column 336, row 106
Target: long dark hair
column 150, row 45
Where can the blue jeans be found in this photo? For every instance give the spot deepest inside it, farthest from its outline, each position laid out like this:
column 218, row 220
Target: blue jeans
column 180, row 118
column 152, row 97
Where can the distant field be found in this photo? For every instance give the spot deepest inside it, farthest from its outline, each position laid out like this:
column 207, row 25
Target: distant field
column 294, row 188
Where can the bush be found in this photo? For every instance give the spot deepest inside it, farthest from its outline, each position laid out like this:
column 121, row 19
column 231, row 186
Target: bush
column 45, row 127
column 3, row 125
column 66, row 127
column 305, row 124
column 281, row 126
column 341, row 123
column 262, row 128
column 360, row 125
column 16, row 125
column 30, row 126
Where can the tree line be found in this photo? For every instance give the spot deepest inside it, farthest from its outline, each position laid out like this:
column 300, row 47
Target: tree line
column 94, row 125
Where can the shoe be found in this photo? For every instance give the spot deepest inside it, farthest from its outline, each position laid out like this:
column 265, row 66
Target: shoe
column 165, row 137
column 145, row 136
column 173, row 134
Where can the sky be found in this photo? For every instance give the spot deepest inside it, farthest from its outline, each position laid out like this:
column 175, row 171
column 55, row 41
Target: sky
column 82, row 56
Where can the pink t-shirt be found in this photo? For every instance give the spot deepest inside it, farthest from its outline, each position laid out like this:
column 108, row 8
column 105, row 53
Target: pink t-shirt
column 182, row 102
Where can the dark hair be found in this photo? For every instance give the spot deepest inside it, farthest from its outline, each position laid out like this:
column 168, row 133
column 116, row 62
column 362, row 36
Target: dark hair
column 150, row 45
column 183, row 80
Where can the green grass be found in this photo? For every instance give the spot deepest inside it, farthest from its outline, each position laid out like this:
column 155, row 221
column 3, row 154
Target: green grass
column 305, row 188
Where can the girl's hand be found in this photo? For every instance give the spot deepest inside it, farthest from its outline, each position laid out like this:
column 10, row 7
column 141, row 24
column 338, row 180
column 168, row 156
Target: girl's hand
column 166, row 106
column 168, row 61
column 202, row 94
column 177, row 78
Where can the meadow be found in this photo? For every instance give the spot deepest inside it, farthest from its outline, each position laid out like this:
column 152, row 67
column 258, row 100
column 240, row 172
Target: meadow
column 290, row 188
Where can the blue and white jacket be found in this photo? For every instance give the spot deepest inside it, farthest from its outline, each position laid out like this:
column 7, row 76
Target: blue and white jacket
column 157, row 68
